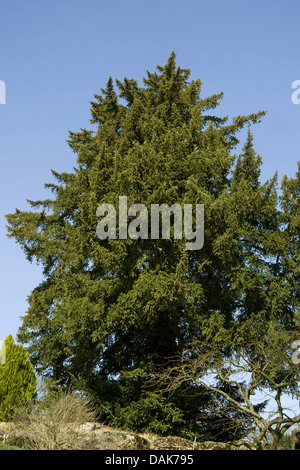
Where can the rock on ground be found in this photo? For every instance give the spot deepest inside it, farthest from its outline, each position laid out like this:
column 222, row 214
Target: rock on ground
column 94, row 436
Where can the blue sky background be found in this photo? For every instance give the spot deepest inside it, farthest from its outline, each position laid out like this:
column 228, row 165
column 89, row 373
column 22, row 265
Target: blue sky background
column 56, row 54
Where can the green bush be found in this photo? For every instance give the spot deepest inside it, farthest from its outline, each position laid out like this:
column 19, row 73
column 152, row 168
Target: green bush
column 54, row 425
column 17, row 379
column 8, row 447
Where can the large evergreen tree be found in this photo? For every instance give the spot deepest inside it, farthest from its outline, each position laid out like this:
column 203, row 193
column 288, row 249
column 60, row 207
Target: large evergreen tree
column 109, row 312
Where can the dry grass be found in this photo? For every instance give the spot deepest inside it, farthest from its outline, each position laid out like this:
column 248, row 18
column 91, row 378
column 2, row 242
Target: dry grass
column 56, row 427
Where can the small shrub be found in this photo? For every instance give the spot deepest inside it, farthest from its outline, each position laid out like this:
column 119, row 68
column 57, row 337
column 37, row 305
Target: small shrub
column 55, row 427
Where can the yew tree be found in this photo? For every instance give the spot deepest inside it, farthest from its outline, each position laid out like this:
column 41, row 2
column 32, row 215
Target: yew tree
column 109, row 312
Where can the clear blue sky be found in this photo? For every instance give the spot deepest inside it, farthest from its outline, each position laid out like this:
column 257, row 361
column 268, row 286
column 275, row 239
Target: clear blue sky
column 56, row 54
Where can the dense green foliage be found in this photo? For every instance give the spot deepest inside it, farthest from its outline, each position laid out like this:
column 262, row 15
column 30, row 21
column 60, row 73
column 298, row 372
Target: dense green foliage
column 109, row 312
column 17, row 380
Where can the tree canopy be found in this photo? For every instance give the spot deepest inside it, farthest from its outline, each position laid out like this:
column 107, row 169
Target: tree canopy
column 109, row 312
